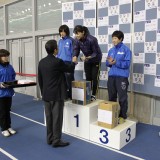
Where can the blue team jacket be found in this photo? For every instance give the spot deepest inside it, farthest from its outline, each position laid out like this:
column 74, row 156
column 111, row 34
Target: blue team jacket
column 89, row 46
column 122, row 54
column 65, row 49
column 7, row 73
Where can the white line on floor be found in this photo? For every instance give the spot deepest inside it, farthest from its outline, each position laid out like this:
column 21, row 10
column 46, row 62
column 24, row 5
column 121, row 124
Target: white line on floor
column 28, row 118
column 7, row 154
column 120, row 152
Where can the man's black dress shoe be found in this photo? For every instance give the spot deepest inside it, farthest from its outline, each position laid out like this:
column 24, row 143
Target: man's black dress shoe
column 61, row 144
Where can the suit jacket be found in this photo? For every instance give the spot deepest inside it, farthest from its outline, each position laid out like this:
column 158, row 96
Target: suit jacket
column 51, row 78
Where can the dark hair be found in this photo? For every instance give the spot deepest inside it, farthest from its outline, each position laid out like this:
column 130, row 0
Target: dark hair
column 4, row 53
column 50, row 46
column 80, row 28
column 64, row 28
column 118, row 34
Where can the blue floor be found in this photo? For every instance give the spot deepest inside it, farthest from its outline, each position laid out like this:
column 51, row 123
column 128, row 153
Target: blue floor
column 30, row 141
column 28, row 107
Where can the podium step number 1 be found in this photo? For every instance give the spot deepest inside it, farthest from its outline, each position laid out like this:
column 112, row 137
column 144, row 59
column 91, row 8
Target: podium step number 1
column 77, row 118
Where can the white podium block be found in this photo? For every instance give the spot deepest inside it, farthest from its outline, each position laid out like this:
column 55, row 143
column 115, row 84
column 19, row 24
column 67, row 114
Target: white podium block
column 65, row 104
column 77, row 118
column 115, row 138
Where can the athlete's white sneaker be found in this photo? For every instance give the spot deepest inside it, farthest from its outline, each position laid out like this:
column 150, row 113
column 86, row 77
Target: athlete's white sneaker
column 11, row 131
column 5, row 133
column 93, row 98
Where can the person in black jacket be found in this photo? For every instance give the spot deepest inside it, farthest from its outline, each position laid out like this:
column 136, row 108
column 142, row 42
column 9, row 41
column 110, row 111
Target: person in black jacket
column 53, row 88
column 92, row 56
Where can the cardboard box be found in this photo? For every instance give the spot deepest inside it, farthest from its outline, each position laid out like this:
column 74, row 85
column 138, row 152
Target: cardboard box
column 81, row 92
column 108, row 114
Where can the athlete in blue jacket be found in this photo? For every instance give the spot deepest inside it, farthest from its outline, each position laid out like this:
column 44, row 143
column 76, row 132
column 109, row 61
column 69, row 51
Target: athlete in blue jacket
column 65, row 52
column 7, row 73
column 119, row 59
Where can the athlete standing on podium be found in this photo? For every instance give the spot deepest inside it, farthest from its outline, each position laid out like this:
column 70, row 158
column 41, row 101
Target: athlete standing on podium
column 65, row 52
column 118, row 60
column 92, row 56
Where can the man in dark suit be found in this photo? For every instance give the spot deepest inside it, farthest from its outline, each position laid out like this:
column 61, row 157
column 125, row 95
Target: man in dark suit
column 53, row 88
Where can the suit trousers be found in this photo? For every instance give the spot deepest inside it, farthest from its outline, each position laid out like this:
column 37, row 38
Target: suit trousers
column 54, row 120
column 5, row 118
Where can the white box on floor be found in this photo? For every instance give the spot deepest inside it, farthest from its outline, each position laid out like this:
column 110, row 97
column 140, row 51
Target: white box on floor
column 115, row 138
column 77, row 118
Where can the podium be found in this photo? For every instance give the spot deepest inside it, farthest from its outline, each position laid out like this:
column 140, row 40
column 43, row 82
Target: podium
column 77, row 118
column 81, row 121
column 115, row 138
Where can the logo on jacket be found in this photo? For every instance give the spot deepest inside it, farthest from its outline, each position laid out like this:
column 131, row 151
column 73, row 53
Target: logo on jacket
column 120, row 52
column 123, row 85
column 67, row 44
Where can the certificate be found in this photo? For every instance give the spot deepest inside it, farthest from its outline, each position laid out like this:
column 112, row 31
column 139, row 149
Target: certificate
column 150, row 69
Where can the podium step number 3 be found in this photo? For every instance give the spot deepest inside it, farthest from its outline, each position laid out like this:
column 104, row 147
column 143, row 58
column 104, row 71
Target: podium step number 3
column 116, row 138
